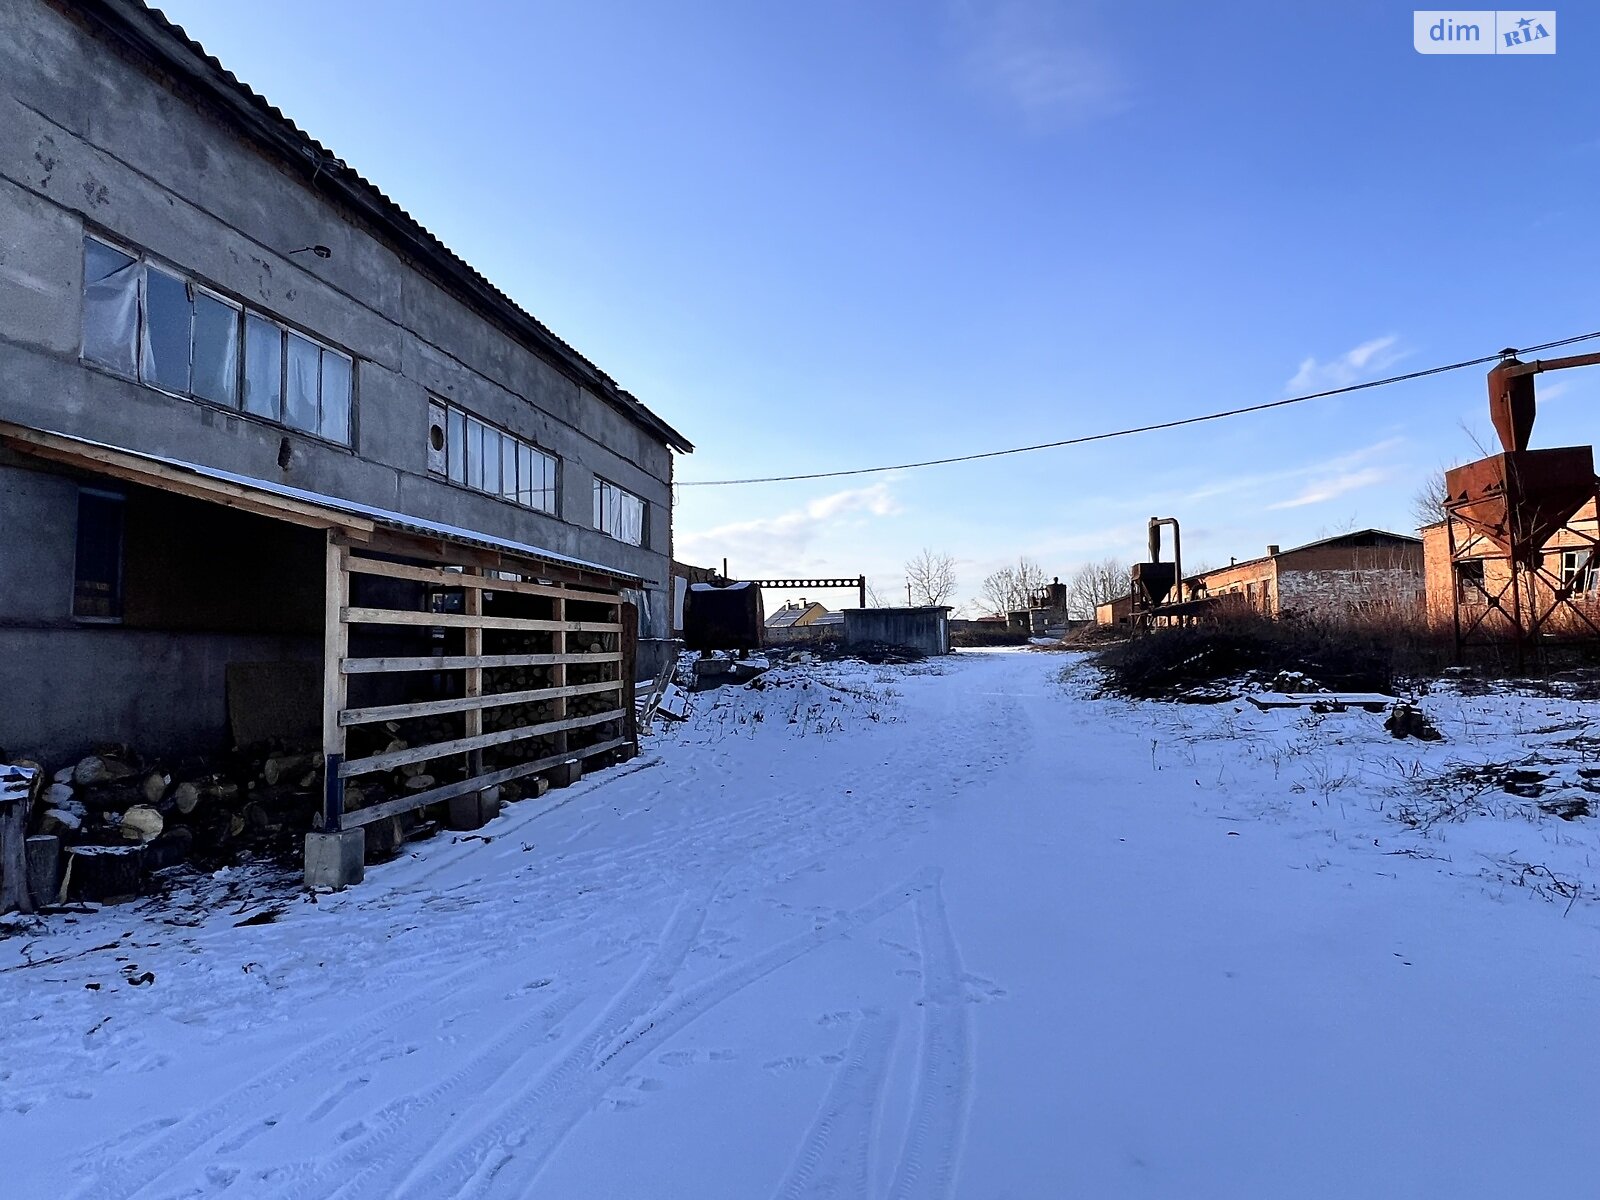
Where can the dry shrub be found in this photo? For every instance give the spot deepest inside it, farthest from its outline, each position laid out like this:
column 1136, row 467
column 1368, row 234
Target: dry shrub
column 1091, row 637
column 1361, row 651
column 974, row 638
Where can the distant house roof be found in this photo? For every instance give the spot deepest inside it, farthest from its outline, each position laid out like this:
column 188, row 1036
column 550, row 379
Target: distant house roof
column 795, row 614
column 151, row 35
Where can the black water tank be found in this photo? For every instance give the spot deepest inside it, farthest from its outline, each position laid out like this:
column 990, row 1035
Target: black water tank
column 723, row 618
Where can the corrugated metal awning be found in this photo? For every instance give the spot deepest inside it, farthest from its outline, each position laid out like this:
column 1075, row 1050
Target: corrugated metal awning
column 280, row 501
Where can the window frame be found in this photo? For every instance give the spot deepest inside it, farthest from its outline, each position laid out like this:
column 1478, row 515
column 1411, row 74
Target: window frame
column 1471, row 579
column 1578, row 563
column 600, row 509
column 243, row 311
column 449, row 415
column 121, row 500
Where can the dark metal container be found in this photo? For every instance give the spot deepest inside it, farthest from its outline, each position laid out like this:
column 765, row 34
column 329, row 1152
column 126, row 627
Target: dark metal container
column 723, row 618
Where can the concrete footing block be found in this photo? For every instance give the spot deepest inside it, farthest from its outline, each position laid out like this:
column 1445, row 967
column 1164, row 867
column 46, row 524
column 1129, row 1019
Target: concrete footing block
column 474, row 810
column 336, row 860
column 565, row 774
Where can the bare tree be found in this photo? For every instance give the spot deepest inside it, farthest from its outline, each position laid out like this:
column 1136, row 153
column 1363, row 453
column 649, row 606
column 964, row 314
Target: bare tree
column 1011, row 589
column 1094, row 584
column 1427, row 502
column 930, row 579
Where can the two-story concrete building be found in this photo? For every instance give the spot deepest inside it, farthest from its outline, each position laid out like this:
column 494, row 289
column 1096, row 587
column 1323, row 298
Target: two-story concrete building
column 222, row 351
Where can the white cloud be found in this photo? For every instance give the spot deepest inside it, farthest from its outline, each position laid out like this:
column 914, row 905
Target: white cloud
column 1028, row 55
column 1334, row 486
column 779, row 544
column 1327, row 468
column 1350, row 367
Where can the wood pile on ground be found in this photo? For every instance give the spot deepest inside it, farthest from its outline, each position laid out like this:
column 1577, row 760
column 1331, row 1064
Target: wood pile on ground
column 100, row 826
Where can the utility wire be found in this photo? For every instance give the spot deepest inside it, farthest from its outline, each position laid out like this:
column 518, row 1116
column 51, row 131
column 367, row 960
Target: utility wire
column 1117, row 433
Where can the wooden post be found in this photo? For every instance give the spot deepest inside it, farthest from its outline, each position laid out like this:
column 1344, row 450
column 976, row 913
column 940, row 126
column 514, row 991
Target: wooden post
column 628, row 643
column 335, row 687
column 472, row 605
column 16, row 798
column 558, row 672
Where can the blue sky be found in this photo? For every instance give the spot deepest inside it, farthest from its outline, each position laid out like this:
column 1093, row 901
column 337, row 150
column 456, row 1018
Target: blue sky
column 840, row 234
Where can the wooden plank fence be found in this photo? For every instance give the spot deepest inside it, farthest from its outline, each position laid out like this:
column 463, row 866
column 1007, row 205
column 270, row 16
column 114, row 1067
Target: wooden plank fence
column 486, row 653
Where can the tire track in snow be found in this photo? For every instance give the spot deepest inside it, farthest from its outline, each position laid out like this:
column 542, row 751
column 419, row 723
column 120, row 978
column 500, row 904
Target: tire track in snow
column 509, row 1155
column 363, row 1168
column 836, row 1157
column 509, row 1125
column 932, row 1153
column 154, row 1159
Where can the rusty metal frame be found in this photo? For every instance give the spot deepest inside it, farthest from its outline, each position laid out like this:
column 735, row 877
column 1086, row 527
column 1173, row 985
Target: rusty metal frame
column 1526, row 622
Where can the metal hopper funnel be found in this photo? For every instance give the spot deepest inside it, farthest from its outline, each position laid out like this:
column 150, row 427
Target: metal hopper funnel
column 1519, row 499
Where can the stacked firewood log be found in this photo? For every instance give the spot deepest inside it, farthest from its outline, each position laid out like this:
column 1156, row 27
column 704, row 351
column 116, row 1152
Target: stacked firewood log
column 116, row 816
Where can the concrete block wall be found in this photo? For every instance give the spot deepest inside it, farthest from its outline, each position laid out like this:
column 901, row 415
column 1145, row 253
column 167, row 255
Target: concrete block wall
column 156, row 684
column 90, row 140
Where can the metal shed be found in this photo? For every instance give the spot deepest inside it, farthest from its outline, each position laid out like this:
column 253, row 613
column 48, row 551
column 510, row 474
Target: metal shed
column 926, row 630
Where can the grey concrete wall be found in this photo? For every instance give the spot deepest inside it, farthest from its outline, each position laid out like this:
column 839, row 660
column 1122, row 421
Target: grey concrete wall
column 65, row 686
column 89, row 141
column 65, row 690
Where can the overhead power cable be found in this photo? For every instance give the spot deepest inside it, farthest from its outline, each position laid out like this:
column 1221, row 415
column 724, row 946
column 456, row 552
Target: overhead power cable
column 1083, row 439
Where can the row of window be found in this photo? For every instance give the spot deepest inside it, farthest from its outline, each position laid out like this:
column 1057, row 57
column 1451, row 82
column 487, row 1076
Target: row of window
column 149, row 323
column 145, row 321
column 471, row 452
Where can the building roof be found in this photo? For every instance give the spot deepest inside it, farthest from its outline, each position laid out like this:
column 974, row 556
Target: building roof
column 179, row 57
column 1358, row 538
column 156, row 471
column 791, row 614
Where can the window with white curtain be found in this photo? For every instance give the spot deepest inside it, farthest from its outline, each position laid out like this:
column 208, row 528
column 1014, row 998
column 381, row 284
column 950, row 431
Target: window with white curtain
column 618, row 512
column 466, row 450
column 146, row 321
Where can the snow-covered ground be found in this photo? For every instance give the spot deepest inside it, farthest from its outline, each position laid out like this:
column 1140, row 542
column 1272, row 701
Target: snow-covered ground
column 957, row 929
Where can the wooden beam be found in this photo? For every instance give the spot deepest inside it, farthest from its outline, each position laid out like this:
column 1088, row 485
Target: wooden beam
column 440, row 577
column 434, row 708
column 448, row 791
column 419, row 544
column 459, row 662
column 400, row 758
column 627, row 669
column 472, row 604
column 558, row 671
column 134, row 468
column 469, row 620
column 335, row 685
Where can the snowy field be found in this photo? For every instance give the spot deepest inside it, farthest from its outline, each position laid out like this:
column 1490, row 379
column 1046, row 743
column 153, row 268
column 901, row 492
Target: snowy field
column 958, row 929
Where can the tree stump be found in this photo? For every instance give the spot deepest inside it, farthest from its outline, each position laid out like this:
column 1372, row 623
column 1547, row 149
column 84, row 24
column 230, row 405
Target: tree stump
column 105, row 874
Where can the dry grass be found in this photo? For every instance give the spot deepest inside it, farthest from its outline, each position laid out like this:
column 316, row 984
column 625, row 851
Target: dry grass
column 1371, row 651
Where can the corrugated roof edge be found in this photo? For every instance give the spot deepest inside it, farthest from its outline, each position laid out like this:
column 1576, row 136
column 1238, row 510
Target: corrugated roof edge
column 384, row 516
column 150, row 32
